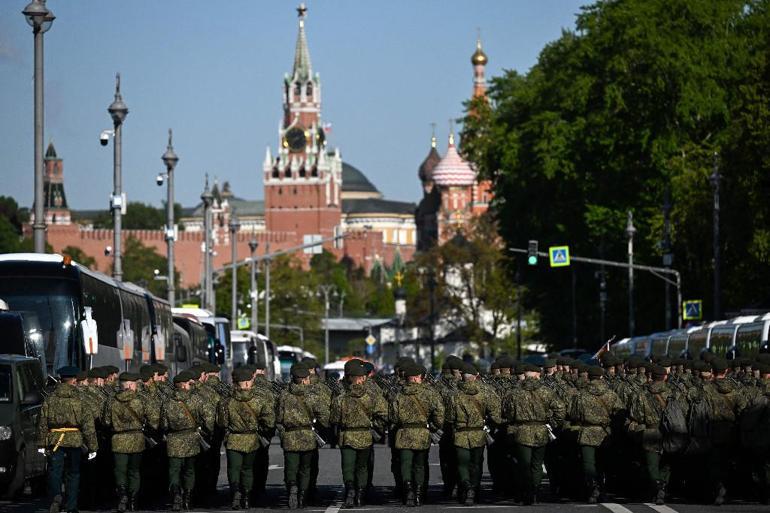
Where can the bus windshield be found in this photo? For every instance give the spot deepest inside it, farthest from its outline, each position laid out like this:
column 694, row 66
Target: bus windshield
column 48, row 309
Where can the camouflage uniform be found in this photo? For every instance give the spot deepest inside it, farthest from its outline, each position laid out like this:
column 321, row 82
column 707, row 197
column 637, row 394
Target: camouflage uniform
column 183, row 417
column 356, row 413
column 64, row 426
column 212, row 391
column 245, row 418
column 322, row 390
column 264, row 388
column 468, row 412
column 298, row 413
column 754, row 429
column 446, row 449
column 527, row 409
column 412, row 411
column 592, row 412
column 126, row 416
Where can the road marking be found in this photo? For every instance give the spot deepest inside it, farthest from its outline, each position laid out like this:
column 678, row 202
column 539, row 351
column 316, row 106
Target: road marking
column 660, row 509
column 274, row 467
column 481, row 506
column 616, row 508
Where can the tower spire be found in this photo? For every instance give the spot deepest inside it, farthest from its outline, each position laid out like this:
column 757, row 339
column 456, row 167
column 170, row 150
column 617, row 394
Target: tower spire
column 302, row 66
column 479, row 60
column 433, row 135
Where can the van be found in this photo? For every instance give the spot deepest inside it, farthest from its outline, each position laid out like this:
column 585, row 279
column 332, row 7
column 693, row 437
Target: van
column 21, row 398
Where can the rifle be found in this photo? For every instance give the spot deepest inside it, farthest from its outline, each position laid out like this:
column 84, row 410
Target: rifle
column 488, row 432
column 149, row 441
column 263, row 440
column 319, row 440
column 204, row 444
column 436, row 433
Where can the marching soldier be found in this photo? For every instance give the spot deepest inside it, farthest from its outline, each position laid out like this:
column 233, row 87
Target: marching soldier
column 469, row 411
column 262, row 387
column 298, row 413
column 592, row 412
column 446, row 452
column 64, row 427
column 183, row 416
column 154, row 463
column 211, row 389
column 126, row 415
column 317, row 387
column 244, row 418
column 356, row 413
column 530, row 410
column 416, row 412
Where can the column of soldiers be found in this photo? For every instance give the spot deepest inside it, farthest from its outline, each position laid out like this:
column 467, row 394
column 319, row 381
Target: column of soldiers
column 613, row 427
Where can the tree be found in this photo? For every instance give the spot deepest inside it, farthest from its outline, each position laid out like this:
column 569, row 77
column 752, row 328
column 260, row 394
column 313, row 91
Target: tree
column 79, row 256
column 139, row 216
column 631, row 104
column 139, row 264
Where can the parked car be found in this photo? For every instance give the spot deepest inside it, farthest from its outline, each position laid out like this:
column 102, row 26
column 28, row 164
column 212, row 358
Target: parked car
column 21, row 397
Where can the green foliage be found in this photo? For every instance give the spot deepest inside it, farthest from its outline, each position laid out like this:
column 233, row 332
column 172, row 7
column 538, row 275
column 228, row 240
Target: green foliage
column 139, row 216
column 632, row 103
column 11, row 220
column 139, row 264
column 79, row 256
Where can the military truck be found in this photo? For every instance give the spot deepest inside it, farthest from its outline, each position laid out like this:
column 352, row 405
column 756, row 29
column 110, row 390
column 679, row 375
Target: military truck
column 21, row 397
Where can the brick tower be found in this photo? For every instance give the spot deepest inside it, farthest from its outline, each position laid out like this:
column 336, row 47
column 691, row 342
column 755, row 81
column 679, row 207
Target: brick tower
column 55, row 207
column 303, row 182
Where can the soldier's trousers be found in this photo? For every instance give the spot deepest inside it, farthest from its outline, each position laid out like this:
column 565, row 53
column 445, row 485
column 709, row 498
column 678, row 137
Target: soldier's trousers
column 181, row 473
column 414, row 465
column 66, row 460
column 530, row 467
column 313, row 470
column 296, row 468
column 395, row 461
column 658, row 466
column 469, row 466
column 448, row 461
column 240, row 469
column 207, row 469
column 588, row 456
column 355, row 466
column 128, row 471
column 261, row 467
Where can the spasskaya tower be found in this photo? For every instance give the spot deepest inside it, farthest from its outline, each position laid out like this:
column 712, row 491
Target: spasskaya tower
column 303, row 180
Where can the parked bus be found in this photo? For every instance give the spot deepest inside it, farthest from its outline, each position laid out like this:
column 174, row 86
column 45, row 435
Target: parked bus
column 288, row 356
column 251, row 348
column 62, row 302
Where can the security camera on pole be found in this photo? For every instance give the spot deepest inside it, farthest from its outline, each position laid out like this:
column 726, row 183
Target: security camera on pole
column 118, row 111
column 235, row 226
column 253, row 245
column 170, row 159
column 207, row 288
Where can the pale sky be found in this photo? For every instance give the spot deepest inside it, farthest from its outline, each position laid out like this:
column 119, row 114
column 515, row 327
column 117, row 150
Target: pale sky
column 213, row 72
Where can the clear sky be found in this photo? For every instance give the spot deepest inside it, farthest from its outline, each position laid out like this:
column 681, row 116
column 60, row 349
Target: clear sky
column 212, row 71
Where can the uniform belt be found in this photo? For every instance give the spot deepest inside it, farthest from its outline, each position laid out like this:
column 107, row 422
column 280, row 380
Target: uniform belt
column 414, row 425
column 253, row 432
column 128, row 431
column 356, row 429
column 469, row 428
column 530, row 423
column 183, row 430
column 62, row 431
column 297, row 428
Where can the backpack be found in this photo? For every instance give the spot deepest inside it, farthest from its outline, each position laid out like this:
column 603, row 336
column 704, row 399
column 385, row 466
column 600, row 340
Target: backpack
column 699, row 426
column 755, row 424
column 673, row 425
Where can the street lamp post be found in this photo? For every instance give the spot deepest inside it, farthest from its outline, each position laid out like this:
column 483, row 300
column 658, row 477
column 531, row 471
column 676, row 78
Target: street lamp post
column 267, row 292
column 432, row 301
column 668, row 257
column 207, row 199
column 400, row 296
column 40, row 19
column 630, row 231
column 235, row 225
column 118, row 111
column 715, row 179
column 326, row 290
column 170, row 159
column 253, row 245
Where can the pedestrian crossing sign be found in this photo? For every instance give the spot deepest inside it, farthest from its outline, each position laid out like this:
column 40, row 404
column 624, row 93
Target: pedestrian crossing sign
column 559, row 256
column 692, row 310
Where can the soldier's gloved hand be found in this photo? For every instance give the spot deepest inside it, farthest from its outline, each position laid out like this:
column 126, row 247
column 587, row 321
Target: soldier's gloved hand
column 91, row 455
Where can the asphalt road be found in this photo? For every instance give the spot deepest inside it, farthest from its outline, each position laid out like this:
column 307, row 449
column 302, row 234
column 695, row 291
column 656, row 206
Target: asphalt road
column 382, row 499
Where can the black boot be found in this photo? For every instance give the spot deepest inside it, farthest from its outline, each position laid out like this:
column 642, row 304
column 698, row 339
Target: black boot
column 235, row 495
column 721, row 495
column 350, row 496
column 360, row 499
column 55, row 504
column 470, row 496
column 660, row 494
column 187, row 500
column 245, row 499
column 409, row 489
column 122, row 499
column 132, row 502
column 176, row 499
column 594, row 493
column 301, row 499
column 293, row 493
column 418, row 495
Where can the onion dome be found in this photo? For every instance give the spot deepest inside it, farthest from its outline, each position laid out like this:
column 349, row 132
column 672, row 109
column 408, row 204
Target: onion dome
column 479, row 58
column 453, row 170
column 429, row 164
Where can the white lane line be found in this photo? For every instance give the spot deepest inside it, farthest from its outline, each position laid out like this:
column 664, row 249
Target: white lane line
column 481, row 506
column 660, row 509
column 333, row 509
column 274, row 467
column 616, row 508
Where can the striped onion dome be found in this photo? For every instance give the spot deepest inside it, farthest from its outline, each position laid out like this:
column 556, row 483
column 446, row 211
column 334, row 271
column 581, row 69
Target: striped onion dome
column 453, row 170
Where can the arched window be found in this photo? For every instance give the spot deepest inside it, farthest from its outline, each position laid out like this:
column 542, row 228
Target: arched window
column 309, row 91
column 276, row 174
column 314, row 173
column 302, row 173
column 297, row 91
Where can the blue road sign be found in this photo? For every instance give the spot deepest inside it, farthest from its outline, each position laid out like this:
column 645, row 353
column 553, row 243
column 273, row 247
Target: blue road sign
column 559, row 256
column 692, row 310
column 370, row 349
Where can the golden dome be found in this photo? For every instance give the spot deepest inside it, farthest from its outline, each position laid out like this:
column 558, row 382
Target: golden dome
column 479, row 58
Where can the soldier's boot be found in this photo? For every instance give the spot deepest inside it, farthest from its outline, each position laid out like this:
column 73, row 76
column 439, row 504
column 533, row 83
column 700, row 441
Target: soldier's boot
column 245, row 500
column 350, row 496
column 55, row 504
column 409, row 488
column 235, row 496
column 293, row 499
column 418, row 496
column 132, row 502
column 360, row 499
column 187, row 500
column 595, row 492
column 301, row 499
column 176, row 499
column 470, row 495
column 721, row 495
column 660, row 496
column 122, row 499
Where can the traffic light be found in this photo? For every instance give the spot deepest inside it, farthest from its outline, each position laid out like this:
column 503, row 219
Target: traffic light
column 532, row 253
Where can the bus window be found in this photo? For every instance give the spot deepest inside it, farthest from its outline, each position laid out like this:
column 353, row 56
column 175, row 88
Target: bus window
column 749, row 339
column 696, row 343
column 721, row 340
